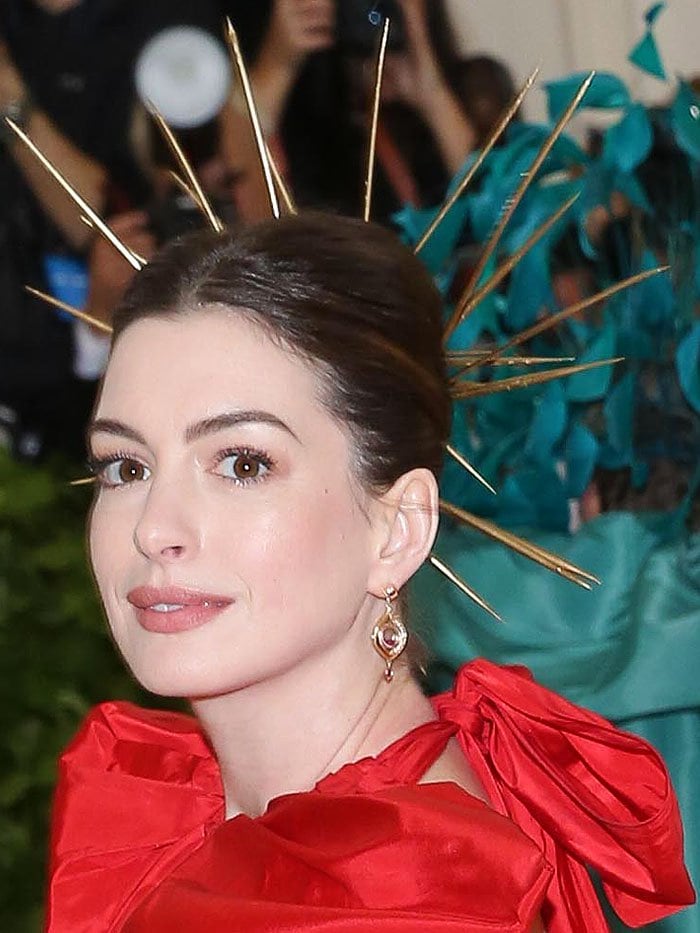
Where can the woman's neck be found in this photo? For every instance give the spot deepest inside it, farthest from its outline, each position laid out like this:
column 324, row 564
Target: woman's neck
column 282, row 735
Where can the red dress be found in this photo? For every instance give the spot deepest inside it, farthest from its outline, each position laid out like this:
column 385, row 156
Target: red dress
column 140, row 844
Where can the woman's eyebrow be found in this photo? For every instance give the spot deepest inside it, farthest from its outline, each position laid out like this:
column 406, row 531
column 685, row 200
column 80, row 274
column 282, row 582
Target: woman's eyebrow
column 115, row 428
column 195, row 431
column 230, row 419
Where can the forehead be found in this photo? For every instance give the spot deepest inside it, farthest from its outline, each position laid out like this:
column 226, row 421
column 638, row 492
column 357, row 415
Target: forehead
column 176, row 370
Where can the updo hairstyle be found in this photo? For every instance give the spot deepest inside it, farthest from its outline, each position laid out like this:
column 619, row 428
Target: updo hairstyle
column 349, row 300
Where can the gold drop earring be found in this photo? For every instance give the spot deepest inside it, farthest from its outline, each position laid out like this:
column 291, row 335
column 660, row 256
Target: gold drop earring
column 389, row 635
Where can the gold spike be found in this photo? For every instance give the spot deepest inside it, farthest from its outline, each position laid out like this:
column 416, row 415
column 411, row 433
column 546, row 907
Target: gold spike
column 464, row 587
column 85, row 481
column 90, row 224
column 372, row 146
column 281, row 185
column 470, row 299
column 465, row 464
column 69, row 309
column 572, row 578
column 516, row 198
column 546, row 323
column 263, row 154
column 466, row 356
column 184, row 187
column 534, row 552
column 505, row 119
column 189, row 172
column 467, row 389
column 135, row 261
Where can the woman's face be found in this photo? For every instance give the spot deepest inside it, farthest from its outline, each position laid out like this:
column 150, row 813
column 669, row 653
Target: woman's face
column 229, row 539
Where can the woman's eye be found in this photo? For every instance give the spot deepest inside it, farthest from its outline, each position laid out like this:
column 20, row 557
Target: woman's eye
column 243, row 466
column 122, row 472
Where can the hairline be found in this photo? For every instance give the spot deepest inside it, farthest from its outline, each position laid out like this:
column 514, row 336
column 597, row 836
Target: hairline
column 189, row 305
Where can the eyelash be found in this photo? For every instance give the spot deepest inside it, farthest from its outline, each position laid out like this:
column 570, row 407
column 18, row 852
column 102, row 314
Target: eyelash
column 98, row 466
column 259, row 456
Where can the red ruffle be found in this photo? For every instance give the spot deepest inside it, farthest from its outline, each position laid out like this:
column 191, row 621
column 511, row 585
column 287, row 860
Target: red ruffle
column 140, row 843
column 584, row 791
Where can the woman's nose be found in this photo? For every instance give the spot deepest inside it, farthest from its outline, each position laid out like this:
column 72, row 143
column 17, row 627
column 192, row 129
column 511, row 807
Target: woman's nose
column 167, row 529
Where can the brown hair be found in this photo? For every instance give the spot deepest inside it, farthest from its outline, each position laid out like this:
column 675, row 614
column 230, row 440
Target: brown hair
column 345, row 296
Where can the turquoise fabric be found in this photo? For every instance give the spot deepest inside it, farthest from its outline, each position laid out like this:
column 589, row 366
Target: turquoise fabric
column 606, row 91
column 645, row 55
column 629, row 650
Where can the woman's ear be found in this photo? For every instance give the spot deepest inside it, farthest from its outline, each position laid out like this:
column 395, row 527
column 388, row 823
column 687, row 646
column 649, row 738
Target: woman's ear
column 406, row 528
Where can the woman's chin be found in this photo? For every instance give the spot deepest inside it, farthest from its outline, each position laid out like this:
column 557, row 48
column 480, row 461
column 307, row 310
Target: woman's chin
column 161, row 685
column 178, row 682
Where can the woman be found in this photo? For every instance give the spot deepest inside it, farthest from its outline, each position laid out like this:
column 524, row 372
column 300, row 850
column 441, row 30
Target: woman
column 313, row 71
column 267, row 444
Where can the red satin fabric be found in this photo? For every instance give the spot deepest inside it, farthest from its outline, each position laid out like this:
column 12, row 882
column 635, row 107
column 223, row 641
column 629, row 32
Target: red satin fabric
column 140, row 843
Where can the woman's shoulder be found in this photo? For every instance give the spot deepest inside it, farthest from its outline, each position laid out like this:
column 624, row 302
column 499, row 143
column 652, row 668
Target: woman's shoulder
column 120, row 717
column 137, row 790
column 125, row 753
column 589, row 793
column 121, row 737
column 126, row 758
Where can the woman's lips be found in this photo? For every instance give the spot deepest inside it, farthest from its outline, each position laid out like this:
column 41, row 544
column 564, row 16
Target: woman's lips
column 170, row 609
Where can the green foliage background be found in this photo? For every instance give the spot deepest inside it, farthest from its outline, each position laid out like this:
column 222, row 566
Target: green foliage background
column 56, row 662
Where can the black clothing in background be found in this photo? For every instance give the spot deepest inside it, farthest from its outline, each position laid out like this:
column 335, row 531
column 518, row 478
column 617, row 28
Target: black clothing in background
column 325, row 142
column 79, row 68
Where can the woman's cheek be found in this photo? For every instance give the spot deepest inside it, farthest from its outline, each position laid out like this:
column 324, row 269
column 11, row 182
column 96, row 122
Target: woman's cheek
column 110, row 537
column 97, row 544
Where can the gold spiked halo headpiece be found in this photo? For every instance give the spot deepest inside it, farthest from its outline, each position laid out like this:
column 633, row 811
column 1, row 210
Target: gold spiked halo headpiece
column 462, row 386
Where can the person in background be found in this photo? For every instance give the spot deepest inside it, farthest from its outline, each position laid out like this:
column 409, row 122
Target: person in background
column 486, row 87
column 67, row 79
column 313, row 73
column 170, row 213
column 294, row 47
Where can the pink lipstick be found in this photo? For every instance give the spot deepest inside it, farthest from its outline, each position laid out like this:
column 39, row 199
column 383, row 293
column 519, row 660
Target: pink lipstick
column 171, row 609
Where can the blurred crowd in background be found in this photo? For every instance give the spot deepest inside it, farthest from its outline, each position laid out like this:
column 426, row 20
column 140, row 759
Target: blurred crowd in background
column 76, row 74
